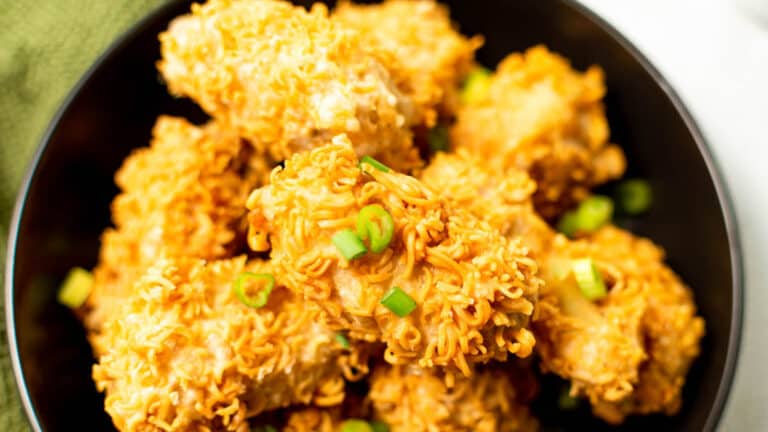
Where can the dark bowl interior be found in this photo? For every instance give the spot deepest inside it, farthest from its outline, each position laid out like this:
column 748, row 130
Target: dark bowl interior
column 64, row 204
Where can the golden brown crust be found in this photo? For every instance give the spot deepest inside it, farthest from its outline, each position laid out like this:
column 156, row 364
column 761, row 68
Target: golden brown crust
column 184, row 195
column 543, row 117
column 414, row 400
column 287, row 79
column 671, row 329
column 629, row 352
column 502, row 197
column 425, row 55
column 475, row 289
column 185, row 354
column 313, row 419
column 595, row 345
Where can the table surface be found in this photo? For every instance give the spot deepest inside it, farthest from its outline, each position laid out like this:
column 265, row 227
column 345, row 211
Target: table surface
column 715, row 55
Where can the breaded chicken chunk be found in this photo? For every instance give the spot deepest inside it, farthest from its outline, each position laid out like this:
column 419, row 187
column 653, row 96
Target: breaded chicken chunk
column 182, row 196
column 409, row 399
column 595, row 345
column 671, row 330
column 287, row 79
column 427, row 58
column 184, row 353
column 313, row 419
column 541, row 116
column 475, row 289
column 502, row 197
column 629, row 352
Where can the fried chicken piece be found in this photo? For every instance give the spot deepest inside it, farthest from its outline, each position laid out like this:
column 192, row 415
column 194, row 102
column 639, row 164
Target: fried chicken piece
column 475, row 289
column 595, row 345
column 629, row 352
column 671, row 330
column 502, row 197
column 182, row 196
column 409, row 399
column 183, row 353
column 286, row 79
column 427, row 58
column 313, row 419
column 541, row 116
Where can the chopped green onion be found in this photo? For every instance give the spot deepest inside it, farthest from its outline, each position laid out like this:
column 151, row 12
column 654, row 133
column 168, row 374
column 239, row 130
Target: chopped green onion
column 438, row 139
column 398, row 301
column 267, row 428
column 565, row 401
column 378, row 426
column 476, row 86
column 375, row 224
column 374, row 163
column 356, row 425
column 588, row 278
column 569, row 223
column 594, row 212
column 634, row 196
column 349, row 244
column 76, row 288
column 591, row 214
column 342, row 340
column 259, row 299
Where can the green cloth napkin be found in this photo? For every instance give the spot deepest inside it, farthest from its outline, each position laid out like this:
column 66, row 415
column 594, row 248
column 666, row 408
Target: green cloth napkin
column 45, row 46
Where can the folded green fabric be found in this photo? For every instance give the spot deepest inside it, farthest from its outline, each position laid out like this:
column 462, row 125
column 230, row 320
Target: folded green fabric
column 45, row 46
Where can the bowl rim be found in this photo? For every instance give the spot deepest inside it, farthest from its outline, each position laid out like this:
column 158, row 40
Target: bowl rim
column 721, row 190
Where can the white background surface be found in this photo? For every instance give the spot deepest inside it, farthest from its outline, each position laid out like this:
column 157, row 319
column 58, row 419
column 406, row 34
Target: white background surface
column 715, row 54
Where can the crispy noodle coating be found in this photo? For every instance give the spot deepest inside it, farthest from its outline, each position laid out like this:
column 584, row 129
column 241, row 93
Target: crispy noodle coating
column 670, row 328
column 287, row 79
column 629, row 352
column 410, row 399
column 595, row 345
column 182, row 196
column 185, row 354
column 501, row 197
column 313, row 419
column 475, row 289
column 541, row 116
column 427, row 58
column 592, row 349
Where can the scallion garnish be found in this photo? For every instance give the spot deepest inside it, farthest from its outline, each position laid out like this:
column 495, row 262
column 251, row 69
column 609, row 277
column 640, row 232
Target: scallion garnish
column 588, row 278
column 342, row 340
column 374, row 163
column 634, row 196
column 476, row 86
column 438, row 139
column 591, row 214
column 355, row 425
column 376, row 225
column 565, row 401
column 260, row 297
column 399, row 302
column 378, row 426
column 76, row 288
column 569, row 223
column 349, row 244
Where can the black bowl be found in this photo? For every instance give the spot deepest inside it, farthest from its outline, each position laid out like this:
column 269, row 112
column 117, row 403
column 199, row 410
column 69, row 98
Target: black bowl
column 64, row 203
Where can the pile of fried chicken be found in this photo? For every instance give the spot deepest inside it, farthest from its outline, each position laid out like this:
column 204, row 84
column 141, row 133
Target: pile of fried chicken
column 316, row 115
